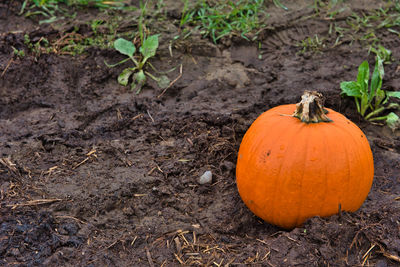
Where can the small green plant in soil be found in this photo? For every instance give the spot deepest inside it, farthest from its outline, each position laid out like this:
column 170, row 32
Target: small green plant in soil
column 224, row 18
column 311, row 44
column 18, row 53
column 39, row 47
column 148, row 45
column 147, row 50
column 371, row 100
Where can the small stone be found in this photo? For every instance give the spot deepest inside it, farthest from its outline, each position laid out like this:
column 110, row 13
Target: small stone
column 205, row 178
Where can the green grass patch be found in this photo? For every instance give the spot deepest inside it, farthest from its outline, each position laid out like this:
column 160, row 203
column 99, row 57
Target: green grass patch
column 364, row 27
column 313, row 44
column 223, row 18
column 102, row 36
column 347, row 26
column 54, row 10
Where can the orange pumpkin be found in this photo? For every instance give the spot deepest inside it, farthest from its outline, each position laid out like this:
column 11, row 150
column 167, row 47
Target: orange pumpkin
column 312, row 163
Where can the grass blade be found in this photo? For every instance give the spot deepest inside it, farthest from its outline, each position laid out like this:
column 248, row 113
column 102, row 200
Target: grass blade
column 279, row 4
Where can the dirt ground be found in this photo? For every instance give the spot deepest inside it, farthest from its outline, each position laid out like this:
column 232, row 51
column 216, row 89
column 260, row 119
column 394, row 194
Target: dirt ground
column 92, row 174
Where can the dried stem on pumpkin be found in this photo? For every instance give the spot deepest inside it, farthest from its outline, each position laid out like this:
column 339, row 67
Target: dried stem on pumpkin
column 311, row 108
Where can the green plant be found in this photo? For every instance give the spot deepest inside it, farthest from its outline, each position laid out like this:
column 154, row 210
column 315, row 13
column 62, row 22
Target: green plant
column 364, row 27
column 46, row 8
column 312, row 44
column 51, row 9
column 95, row 24
column 371, row 100
column 224, row 18
column 18, row 53
column 147, row 50
column 279, row 4
column 185, row 15
column 148, row 45
column 38, row 47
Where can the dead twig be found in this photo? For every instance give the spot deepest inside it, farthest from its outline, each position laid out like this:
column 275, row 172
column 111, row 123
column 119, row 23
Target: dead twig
column 178, row 245
column 388, row 255
column 391, row 257
column 92, row 152
column 137, row 117
column 70, row 217
column 367, row 254
column 112, row 244
column 149, row 259
column 148, row 113
column 179, row 259
column 7, row 66
column 34, row 202
column 6, row 162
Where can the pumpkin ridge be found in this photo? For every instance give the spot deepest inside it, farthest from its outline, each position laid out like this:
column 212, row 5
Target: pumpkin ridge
column 355, row 158
column 326, row 154
column 276, row 181
column 360, row 153
column 282, row 180
column 305, row 159
column 254, row 151
column 349, row 167
column 357, row 192
column 341, row 206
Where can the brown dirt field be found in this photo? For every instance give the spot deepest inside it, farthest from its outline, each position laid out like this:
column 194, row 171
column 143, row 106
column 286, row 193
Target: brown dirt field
column 92, row 174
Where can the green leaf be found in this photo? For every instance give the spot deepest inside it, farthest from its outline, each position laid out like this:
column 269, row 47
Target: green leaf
column 123, row 78
column 22, row 8
column 163, row 81
column 279, row 4
column 351, row 88
column 393, row 121
column 139, row 79
column 149, row 47
column 377, row 76
column 125, row 47
column 50, row 20
column 363, row 76
column 393, row 94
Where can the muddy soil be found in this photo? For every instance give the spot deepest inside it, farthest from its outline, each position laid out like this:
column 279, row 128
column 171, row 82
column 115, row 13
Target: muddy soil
column 92, row 174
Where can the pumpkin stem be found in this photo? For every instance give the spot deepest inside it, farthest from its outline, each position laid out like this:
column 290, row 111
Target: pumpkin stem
column 311, row 108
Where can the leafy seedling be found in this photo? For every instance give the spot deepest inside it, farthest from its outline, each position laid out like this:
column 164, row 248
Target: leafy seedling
column 371, row 100
column 147, row 50
column 18, row 53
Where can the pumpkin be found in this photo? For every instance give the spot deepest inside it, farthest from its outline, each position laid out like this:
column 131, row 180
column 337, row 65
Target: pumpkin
column 300, row 161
